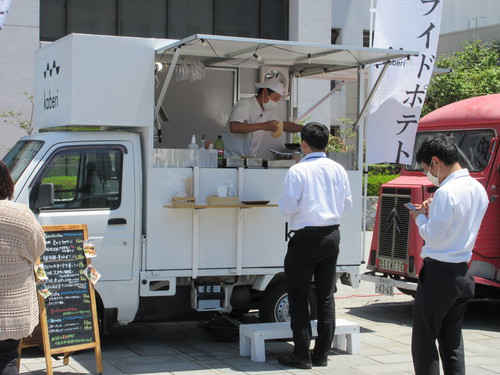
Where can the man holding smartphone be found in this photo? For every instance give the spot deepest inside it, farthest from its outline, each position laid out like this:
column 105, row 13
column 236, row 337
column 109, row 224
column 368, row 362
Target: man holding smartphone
column 449, row 225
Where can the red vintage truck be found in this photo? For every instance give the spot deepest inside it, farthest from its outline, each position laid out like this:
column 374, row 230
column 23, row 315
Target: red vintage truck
column 394, row 259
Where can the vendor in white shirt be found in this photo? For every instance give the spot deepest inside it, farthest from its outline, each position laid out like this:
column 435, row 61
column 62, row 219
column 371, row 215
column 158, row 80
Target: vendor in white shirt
column 252, row 118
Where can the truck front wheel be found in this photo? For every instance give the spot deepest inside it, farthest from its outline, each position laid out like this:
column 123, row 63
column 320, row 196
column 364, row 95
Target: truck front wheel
column 274, row 306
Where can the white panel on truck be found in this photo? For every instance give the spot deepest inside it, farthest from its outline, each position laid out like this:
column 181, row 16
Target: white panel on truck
column 95, row 80
column 230, row 240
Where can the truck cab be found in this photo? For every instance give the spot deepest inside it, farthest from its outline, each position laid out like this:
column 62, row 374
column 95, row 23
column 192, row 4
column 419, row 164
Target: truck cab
column 394, row 259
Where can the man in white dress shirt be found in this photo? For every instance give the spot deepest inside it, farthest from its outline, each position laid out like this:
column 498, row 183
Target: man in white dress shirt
column 315, row 193
column 252, row 117
column 449, row 224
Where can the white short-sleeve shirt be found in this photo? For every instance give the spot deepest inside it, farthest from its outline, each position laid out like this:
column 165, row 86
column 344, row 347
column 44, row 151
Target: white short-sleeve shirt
column 247, row 110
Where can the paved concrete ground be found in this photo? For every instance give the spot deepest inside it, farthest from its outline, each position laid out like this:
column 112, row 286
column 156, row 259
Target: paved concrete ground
column 184, row 348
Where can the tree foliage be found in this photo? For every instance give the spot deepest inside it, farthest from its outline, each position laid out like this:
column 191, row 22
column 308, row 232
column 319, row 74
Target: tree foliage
column 475, row 71
column 17, row 118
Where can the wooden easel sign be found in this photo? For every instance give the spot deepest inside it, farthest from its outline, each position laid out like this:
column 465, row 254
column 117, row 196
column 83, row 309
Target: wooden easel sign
column 68, row 316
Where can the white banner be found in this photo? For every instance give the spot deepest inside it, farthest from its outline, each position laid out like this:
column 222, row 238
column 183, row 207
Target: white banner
column 4, row 9
column 394, row 111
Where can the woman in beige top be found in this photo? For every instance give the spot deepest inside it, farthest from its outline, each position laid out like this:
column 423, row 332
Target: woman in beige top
column 21, row 243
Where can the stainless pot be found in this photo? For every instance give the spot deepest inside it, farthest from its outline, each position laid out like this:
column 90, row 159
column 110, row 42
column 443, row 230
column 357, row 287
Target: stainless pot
column 281, row 155
column 286, row 155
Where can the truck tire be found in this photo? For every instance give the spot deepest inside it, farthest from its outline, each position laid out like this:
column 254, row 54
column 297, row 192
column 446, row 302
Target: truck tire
column 274, row 303
column 106, row 318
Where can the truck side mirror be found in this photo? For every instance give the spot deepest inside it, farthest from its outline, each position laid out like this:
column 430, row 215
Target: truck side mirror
column 45, row 197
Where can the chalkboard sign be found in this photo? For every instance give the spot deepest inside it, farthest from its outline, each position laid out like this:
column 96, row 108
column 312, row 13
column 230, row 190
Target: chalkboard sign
column 68, row 316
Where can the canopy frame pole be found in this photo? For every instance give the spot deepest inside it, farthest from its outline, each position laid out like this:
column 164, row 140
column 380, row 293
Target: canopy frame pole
column 314, row 106
column 166, row 83
column 370, row 95
column 362, row 166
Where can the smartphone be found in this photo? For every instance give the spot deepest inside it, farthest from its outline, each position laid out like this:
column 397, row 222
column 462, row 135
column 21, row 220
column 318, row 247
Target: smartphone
column 410, row 206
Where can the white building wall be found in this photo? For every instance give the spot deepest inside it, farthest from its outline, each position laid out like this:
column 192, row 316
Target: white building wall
column 452, row 42
column 354, row 16
column 468, row 20
column 310, row 21
column 351, row 17
column 19, row 38
column 461, row 15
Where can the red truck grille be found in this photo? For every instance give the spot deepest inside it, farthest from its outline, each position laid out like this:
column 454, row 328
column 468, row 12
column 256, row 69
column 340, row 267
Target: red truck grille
column 394, row 224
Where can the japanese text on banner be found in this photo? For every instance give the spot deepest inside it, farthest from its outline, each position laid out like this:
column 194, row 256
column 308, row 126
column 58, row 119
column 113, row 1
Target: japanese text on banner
column 395, row 109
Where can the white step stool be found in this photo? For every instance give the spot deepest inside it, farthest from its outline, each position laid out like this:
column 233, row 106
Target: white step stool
column 253, row 336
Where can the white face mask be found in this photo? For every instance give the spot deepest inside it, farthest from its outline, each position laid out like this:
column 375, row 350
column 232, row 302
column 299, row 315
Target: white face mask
column 270, row 105
column 433, row 179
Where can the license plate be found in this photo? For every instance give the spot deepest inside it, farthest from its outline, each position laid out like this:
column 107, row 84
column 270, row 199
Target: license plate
column 384, row 286
column 391, row 264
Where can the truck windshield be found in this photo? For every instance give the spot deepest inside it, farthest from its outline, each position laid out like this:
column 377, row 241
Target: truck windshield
column 473, row 146
column 18, row 158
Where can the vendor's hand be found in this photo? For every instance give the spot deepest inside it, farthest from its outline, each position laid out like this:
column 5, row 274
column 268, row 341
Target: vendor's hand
column 420, row 210
column 270, row 126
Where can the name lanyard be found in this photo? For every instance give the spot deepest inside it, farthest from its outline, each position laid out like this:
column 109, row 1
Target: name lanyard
column 314, row 157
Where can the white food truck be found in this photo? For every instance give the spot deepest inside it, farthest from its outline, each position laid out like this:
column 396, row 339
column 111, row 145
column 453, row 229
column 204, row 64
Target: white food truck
column 111, row 153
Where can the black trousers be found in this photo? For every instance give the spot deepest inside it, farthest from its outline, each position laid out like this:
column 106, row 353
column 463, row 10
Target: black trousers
column 444, row 290
column 312, row 251
column 8, row 356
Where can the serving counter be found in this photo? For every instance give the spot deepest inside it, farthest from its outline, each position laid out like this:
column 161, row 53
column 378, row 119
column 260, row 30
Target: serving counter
column 202, row 239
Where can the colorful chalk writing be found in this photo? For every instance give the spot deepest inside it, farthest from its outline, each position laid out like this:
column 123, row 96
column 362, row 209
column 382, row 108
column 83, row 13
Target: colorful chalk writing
column 68, row 309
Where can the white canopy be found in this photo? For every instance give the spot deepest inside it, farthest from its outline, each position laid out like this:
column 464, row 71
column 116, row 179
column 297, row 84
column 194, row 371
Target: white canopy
column 302, row 59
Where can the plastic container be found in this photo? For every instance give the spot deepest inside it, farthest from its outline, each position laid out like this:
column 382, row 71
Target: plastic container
column 231, row 189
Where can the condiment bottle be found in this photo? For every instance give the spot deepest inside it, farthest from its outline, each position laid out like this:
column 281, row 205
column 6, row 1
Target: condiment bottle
column 193, row 144
column 219, row 146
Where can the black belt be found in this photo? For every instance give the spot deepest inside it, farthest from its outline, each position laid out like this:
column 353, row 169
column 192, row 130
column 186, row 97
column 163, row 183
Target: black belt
column 431, row 260
column 310, row 228
column 288, row 234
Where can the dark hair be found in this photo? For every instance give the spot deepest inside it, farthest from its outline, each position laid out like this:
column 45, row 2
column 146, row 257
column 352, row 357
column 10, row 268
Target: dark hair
column 315, row 135
column 269, row 91
column 440, row 146
column 6, row 183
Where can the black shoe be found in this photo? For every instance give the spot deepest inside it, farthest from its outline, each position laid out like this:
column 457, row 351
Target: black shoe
column 320, row 361
column 293, row 361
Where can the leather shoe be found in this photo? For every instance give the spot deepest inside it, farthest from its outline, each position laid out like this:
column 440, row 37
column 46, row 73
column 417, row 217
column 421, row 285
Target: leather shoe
column 320, row 361
column 294, row 361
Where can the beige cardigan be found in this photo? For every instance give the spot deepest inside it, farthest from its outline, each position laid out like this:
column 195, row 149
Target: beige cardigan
column 22, row 241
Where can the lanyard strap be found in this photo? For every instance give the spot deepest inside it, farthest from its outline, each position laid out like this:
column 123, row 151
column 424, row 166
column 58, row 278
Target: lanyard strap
column 314, row 157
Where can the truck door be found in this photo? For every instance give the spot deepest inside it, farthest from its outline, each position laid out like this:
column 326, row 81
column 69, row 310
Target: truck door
column 493, row 187
column 94, row 185
column 492, row 217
